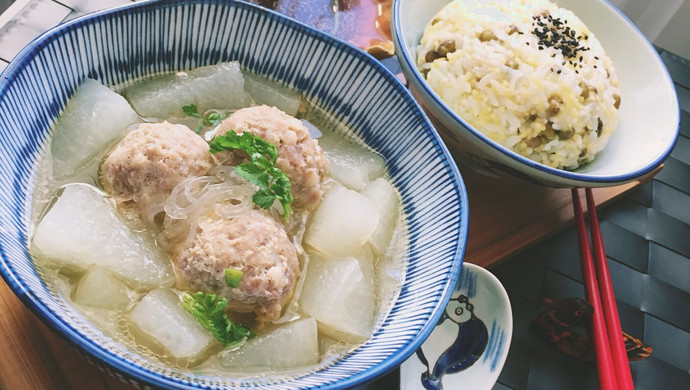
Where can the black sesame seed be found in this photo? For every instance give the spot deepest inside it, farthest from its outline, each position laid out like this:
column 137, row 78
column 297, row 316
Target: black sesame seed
column 553, row 32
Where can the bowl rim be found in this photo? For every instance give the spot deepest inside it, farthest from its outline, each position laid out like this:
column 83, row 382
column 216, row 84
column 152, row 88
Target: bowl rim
column 583, row 179
column 91, row 349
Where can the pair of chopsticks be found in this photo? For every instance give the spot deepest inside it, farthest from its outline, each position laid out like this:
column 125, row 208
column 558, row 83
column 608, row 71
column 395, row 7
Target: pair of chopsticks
column 611, row 357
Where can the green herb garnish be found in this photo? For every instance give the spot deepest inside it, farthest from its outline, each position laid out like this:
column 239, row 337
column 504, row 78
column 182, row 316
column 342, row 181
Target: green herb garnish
column 232, row 277
column 211, row 119
column 261, row 170
column 214, row 118
column 209, row 311
column 191, row 110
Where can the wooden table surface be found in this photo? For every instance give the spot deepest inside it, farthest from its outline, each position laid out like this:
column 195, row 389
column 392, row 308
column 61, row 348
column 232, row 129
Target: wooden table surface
column 34, row 357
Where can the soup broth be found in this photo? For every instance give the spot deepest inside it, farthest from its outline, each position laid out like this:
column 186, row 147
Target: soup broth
column 118, row 264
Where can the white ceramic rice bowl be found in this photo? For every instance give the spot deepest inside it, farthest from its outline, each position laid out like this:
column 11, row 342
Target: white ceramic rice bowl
column 649, row 113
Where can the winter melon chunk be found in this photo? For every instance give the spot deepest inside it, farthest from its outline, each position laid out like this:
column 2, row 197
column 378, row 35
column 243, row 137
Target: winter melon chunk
column 93, row 118
column 340, row 295
column 385, row 197
column 351, row 165
column 270, row 93
column 342, row 223
column 164, row 322
column 209, row 87
column 98, row 288
column 292, row 345
column 82, row 229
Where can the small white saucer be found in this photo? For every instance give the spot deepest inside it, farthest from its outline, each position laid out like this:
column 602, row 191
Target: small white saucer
column 469, row 345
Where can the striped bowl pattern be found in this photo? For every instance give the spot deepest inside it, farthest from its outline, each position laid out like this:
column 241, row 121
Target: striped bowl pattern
column 159, row 37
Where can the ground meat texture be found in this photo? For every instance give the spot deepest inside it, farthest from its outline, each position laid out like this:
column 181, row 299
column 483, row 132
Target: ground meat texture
column 299, row 155
column 252, row 242
column 143, row 169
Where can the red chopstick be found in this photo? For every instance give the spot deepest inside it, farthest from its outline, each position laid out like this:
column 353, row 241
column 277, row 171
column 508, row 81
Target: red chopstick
column 604, row 361
column 613, row 323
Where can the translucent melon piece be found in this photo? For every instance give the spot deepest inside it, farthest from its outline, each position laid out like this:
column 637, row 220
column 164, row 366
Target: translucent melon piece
column 351, row 165
column 386, row 199
column 390, row 268
column 93, row 118
column 342, row 223
column 333, row 349
column 366, row 260
column 160, row 317
column 292, row 345
column 82, row 230
column 270, row 93
column 341, row 297
column 98, row 288
column 210, row 87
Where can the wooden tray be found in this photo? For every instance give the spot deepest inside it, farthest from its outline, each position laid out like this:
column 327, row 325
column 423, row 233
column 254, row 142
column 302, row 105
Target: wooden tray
column 507, row 215
column 34, row 357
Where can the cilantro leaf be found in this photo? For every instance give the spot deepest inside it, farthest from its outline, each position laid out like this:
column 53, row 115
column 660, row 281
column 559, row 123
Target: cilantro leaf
column 191, row 110
column 264, row 198
column 261, row 170
column 264, row 147
column 253, row 174
column 211, row 119
column 228, row 142
column 209, row 311
column 214, row 118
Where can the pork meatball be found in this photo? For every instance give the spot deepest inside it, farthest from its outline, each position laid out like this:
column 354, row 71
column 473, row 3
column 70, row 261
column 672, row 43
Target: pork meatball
column 299, row 155
column 143, row 169
column 252, row 242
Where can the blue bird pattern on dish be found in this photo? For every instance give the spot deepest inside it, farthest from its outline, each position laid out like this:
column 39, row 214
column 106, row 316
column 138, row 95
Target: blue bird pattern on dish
column 467, row 348
column 474, row 343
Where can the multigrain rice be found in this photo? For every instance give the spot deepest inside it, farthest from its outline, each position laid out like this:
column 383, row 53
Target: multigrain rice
column 528, row 74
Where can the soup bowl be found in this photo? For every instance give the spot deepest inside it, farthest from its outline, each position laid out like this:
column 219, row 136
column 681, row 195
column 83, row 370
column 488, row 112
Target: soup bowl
column 648, row 115
column 149, row 38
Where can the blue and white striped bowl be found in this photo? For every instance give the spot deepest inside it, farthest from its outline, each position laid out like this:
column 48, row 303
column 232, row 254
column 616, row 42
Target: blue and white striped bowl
column 648, row 117
column 157, row 37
